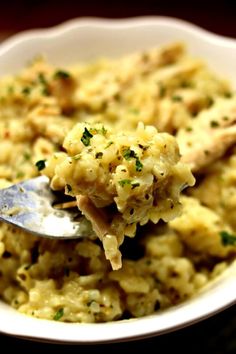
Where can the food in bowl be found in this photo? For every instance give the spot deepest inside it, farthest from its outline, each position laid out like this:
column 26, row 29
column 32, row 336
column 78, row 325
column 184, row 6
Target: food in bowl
column 120, row 179
column 46, row 111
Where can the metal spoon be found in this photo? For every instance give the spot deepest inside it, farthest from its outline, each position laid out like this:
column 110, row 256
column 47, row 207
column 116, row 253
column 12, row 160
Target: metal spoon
column 29, row 205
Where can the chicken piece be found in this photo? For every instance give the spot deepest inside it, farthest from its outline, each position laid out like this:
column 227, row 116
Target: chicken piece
column 209, row 136
column 120, row 179
column 46, row 85
column 101, row 226
column 147, row 61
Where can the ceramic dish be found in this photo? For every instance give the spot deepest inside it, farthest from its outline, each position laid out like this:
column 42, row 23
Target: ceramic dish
column 85, row 39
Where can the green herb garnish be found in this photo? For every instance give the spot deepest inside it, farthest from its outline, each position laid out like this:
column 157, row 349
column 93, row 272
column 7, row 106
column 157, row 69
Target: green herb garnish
column 58, row 315
column 20, row 174
column 27, row 156
column 26, row 90
column 138, row 165
column 109, row 144
column 189, row 129
column 10, row 90
column 41, row 78
column 76, row 157
column 228, row 95
column 40, row 165
column 44, row 83
column 61, row 74
column 134, row 110
column 214, row 123
column 103, row 130
column 124, row 182
column 128, row 154
column 162, row 89
column 86, row 137
column 128, row 182
column 210, row 101
column 176, row 98
column 227, row 238
column 186, row 84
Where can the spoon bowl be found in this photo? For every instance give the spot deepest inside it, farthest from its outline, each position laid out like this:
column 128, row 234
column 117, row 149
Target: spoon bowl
column 29, row 205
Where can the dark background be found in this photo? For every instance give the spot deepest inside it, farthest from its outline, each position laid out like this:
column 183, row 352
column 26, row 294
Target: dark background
column 17, row 15
column 218, row 333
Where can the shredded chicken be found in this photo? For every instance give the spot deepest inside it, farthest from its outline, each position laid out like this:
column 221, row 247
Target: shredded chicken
column 209, row 136
column 102, row 228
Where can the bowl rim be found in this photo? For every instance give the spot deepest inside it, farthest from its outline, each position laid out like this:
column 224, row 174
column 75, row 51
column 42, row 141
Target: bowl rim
column 125, row 330
column 129, row 22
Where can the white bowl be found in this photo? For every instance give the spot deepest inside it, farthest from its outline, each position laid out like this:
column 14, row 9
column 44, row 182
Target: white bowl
column 89, row 38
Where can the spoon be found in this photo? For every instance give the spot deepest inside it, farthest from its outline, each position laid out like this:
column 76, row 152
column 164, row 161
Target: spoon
column 29, row 205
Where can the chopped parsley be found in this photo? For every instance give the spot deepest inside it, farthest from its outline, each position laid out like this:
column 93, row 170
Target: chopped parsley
column 210, row 101
column 138, row 165
column 176, row 98
column 134, row 111
column 124, row 182
column 228, row 95
column 86, row 137
column 20, row 174
column 162, row 89
column 27, row 156
column 128, row 182
column 186, row 84
column 26, row 90
column 189, row 129
column 128, row 154
column 109, row 144
column 58, row 315
column 227, row 238
column 76, row 157
column 10, row 89
column 103, row 130
column 42, row 80
column 88, row 134
column 61, row 74
column 214, row 123
column 40, row 165
column 45, row 91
